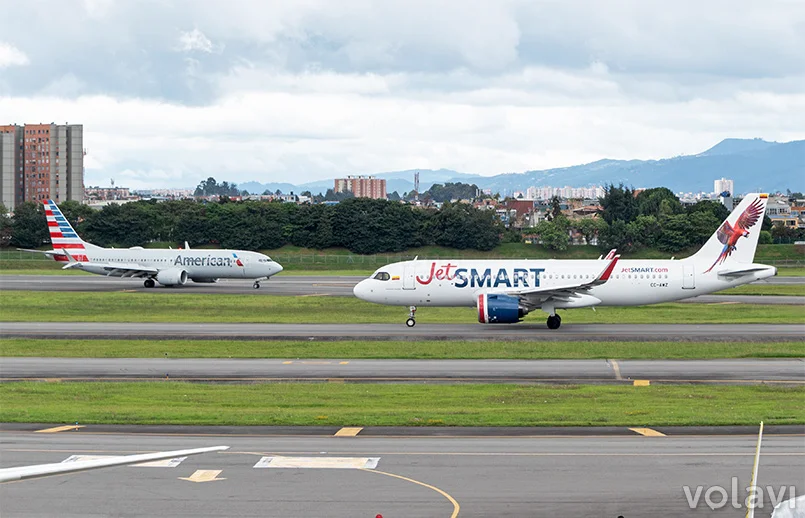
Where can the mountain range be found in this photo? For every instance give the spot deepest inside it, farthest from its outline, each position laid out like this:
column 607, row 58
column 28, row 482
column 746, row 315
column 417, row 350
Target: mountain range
column 752, row 164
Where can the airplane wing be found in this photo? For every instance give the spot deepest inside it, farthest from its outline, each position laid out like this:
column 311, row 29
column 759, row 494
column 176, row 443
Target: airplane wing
column 113, row 270
column 58, row 468
column 565, row 292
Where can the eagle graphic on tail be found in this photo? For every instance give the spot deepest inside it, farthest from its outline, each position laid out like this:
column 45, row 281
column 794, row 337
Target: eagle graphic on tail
column 729, row 234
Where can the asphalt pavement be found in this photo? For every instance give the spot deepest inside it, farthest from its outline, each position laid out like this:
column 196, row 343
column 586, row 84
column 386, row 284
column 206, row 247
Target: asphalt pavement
column 309, row 285
column 733, row 371
column 627, row 476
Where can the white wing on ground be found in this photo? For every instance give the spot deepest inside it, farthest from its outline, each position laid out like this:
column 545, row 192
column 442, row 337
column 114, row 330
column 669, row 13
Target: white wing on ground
column 44, row 470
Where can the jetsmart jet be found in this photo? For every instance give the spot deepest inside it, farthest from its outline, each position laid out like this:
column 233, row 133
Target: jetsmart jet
column 167, row 267
column 504, row 291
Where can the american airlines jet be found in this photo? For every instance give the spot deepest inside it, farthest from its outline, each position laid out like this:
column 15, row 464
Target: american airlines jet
column 504, row 291
column 166, row 266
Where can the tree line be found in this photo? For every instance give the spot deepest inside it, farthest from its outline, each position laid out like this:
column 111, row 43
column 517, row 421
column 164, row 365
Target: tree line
column 652, row 218
column 361, row 225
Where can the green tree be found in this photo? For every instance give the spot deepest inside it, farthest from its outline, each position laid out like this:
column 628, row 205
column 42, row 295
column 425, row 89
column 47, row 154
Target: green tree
column 5, row 226
column 554, row 233
column 29, row 227
column 658, row 202
column 675, row 234
column 717, row 209
column 765, row 238
column 618, row 203
column 589, row 228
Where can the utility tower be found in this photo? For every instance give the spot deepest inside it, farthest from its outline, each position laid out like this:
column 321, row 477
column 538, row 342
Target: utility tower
column 416, row 185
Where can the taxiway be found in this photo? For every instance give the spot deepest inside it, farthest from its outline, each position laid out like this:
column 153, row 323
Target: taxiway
column 446, row 477
column 737, row 371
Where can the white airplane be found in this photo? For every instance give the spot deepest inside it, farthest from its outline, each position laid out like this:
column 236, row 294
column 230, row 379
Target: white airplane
column 166, row 266
column 60, row 468
column 504, row 291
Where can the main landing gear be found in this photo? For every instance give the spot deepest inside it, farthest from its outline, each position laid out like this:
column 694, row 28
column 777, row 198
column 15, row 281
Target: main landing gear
column 149, row 283
column 411, row 322
column 554, row 321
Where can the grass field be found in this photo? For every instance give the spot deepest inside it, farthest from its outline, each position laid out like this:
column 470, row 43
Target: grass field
column 355, row 349
column 399, row 405
column 766, row 289
column 28, row 306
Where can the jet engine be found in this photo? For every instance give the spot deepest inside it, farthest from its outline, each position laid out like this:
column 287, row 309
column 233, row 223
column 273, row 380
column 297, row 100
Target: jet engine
column 172, row 277
column 499, row 309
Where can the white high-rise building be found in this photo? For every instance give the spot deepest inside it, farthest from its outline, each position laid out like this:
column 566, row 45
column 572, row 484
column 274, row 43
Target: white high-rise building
column 722, row 185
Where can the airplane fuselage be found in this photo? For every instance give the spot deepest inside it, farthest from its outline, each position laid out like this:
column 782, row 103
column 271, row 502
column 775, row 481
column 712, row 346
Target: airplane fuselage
column 457, row 283
column 199, row 264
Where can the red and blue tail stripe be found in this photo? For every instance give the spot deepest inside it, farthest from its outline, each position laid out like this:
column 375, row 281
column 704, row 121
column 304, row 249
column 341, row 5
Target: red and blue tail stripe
column 62, row 234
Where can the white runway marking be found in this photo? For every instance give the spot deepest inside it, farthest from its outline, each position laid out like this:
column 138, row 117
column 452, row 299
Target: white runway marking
column 319, row 462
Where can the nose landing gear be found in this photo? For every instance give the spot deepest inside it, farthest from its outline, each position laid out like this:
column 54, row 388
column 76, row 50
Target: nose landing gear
column 554, row 321
column 411, row 322
column 256, row 285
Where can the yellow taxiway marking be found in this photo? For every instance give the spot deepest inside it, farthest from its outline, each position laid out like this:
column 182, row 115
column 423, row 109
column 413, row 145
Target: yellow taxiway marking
column 315, row 295
column 348, row 431
column 723, row 303
column 456, row 507
column 617, row 369
column 642, row 383
column 287, row 363
column 648, row 432
column 343, row 363
column 204, row 475
column 61, row 428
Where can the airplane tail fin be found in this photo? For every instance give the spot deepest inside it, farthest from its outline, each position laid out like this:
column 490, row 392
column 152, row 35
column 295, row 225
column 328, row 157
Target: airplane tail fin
column 62, row 235
column 736, row 239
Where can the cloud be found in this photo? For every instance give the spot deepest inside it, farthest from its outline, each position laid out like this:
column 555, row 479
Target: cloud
column 194, row 40
column 11, row 56
column 173, row 92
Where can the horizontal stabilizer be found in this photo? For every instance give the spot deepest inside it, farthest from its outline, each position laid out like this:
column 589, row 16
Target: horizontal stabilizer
column 745, row 270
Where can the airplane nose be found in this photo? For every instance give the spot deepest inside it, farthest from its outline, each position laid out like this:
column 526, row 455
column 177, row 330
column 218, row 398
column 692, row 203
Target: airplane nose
column 361, row 290
column 278, row 267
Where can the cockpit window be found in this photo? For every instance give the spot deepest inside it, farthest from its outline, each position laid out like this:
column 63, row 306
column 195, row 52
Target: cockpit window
column 382, row 276
column 266, row 260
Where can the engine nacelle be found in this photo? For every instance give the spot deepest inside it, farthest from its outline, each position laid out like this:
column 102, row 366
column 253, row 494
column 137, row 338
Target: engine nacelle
column 203, row 280
column 499, row 309
column 172, row 277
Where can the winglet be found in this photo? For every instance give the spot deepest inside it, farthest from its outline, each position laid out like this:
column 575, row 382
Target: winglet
column 611, row 254
column 604, row 277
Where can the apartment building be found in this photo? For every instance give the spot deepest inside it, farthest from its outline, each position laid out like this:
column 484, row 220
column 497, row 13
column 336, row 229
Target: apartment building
column 41, row 161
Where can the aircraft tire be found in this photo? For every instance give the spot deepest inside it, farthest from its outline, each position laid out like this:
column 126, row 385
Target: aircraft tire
column 149, row 283
column 410, row 322
column 554, row 322
column 256, row 285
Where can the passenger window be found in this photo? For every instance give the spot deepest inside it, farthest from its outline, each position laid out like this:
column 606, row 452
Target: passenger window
column 382, row 276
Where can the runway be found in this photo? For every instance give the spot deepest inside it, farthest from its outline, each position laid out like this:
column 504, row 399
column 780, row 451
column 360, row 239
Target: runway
column 277, row 285
column 414, row 476
column 522, row 331
column 738, row 371
column 318, row 285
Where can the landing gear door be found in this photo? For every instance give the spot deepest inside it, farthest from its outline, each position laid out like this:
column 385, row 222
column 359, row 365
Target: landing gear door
column 409, row 283
column 688, row 276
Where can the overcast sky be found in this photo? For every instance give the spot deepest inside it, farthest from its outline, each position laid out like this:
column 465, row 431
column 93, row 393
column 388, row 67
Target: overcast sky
column 171, row 92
